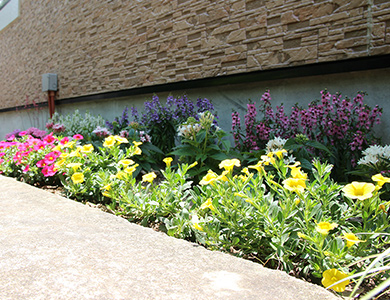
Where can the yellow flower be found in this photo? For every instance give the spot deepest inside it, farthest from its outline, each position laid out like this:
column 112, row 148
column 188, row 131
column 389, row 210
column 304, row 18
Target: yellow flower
column 197, row 226
column 208, row 204
column 126, row 162
column 74, row 166
column 121, row 140
column 331, row 276
column 149, row 177
column 297, row 173
column 130, row 170
column 137, row 143
column 223, row 176
column 78, row 178
column 168, row 161
column 209, row 178
column 60, row 162
column 325, row 227
column 64, row 155
column 259, row 167
column 380, row 179
column 69, row 144
column 137, row 151
column 279, row 153
column 228, row 164
column 74, row 153
column 294, row 184
column 303, row 236
column 271, row 158
column 246, row 171
column 57, row 148
column 120, row 175
column 86, row 148
column 106, row 189
column 351, row 239
column 359, row 190
column 193, row 165
column 109, row 142
column 297, row 201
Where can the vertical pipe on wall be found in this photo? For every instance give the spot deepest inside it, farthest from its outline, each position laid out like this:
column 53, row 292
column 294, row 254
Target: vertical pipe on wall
column 51, row 95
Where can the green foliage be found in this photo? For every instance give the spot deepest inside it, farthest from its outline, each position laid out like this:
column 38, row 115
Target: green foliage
column 202, row 141
column 75, row 123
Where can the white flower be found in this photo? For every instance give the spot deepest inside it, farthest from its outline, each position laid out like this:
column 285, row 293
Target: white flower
column 275, row 144
column 374, row 155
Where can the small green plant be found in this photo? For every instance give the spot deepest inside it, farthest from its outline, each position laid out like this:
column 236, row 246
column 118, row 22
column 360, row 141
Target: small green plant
column 202, row 141
column 75, row 123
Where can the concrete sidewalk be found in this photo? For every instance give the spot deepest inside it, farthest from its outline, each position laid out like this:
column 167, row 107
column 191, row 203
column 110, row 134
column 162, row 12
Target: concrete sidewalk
column 56, row 248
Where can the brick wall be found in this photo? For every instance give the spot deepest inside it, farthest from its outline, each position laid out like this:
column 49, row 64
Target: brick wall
column 100, row 46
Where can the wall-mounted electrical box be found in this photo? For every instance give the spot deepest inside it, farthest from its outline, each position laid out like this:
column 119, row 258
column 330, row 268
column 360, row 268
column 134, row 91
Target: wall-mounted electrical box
column 49, row 82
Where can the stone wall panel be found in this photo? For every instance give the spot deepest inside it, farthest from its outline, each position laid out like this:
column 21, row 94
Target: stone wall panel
column 101, row 46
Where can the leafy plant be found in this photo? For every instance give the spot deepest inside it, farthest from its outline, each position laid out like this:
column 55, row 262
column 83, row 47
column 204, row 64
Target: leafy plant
column 76, row 123
column 202, row 141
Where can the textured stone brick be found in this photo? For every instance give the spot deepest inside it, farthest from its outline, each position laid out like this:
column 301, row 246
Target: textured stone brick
column 101, row 46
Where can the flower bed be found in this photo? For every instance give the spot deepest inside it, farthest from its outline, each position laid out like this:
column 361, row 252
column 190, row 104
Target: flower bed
column 270, row 212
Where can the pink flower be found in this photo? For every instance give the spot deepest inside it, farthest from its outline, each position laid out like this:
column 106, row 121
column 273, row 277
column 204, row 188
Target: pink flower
column 11, row 138
column 42, row 163
column 51, row 157
column 25, row 170
column 1, row 160
column 64, row 141
column 78, row 137
column 2, row 154
column 40, row 145
column 49, row 138
column 49, row 171
column 22, row 133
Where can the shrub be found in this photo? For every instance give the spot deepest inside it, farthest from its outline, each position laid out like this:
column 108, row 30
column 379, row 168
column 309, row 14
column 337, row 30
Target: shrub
column 76, row 123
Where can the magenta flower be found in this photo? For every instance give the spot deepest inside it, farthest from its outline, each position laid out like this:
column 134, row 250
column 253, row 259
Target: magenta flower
column 49, row 171
column 49, row 138
column 78, row 137
column 25, row 170
column 64, row 141
column 51, row 157
column 41, row 164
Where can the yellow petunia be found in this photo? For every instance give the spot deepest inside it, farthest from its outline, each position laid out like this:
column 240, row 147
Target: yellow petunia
column 229, row 164
column 193, row 165
column 78, row 178
column 208, row 204
column 380, row 179
column 74, row 153
column 126, row 162
column 74, row 166
column 209, row 178
column 359, row 190
column 325, row 227
column 331, row 276
column 294, row 184
column 109, row 142
column 121, row 140
column 137, row 151
column 168, row 161
column 87, row 149
column 149, row 177
column 223, row 177
column 297, row 173
column 135, row 143
column 351, row 239
column 259, row 167
column 280, row 153
column 130, row 170
column 120, row 175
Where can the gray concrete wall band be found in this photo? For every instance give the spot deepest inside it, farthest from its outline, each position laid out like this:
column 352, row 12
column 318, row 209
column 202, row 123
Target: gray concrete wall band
column 234, row 96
